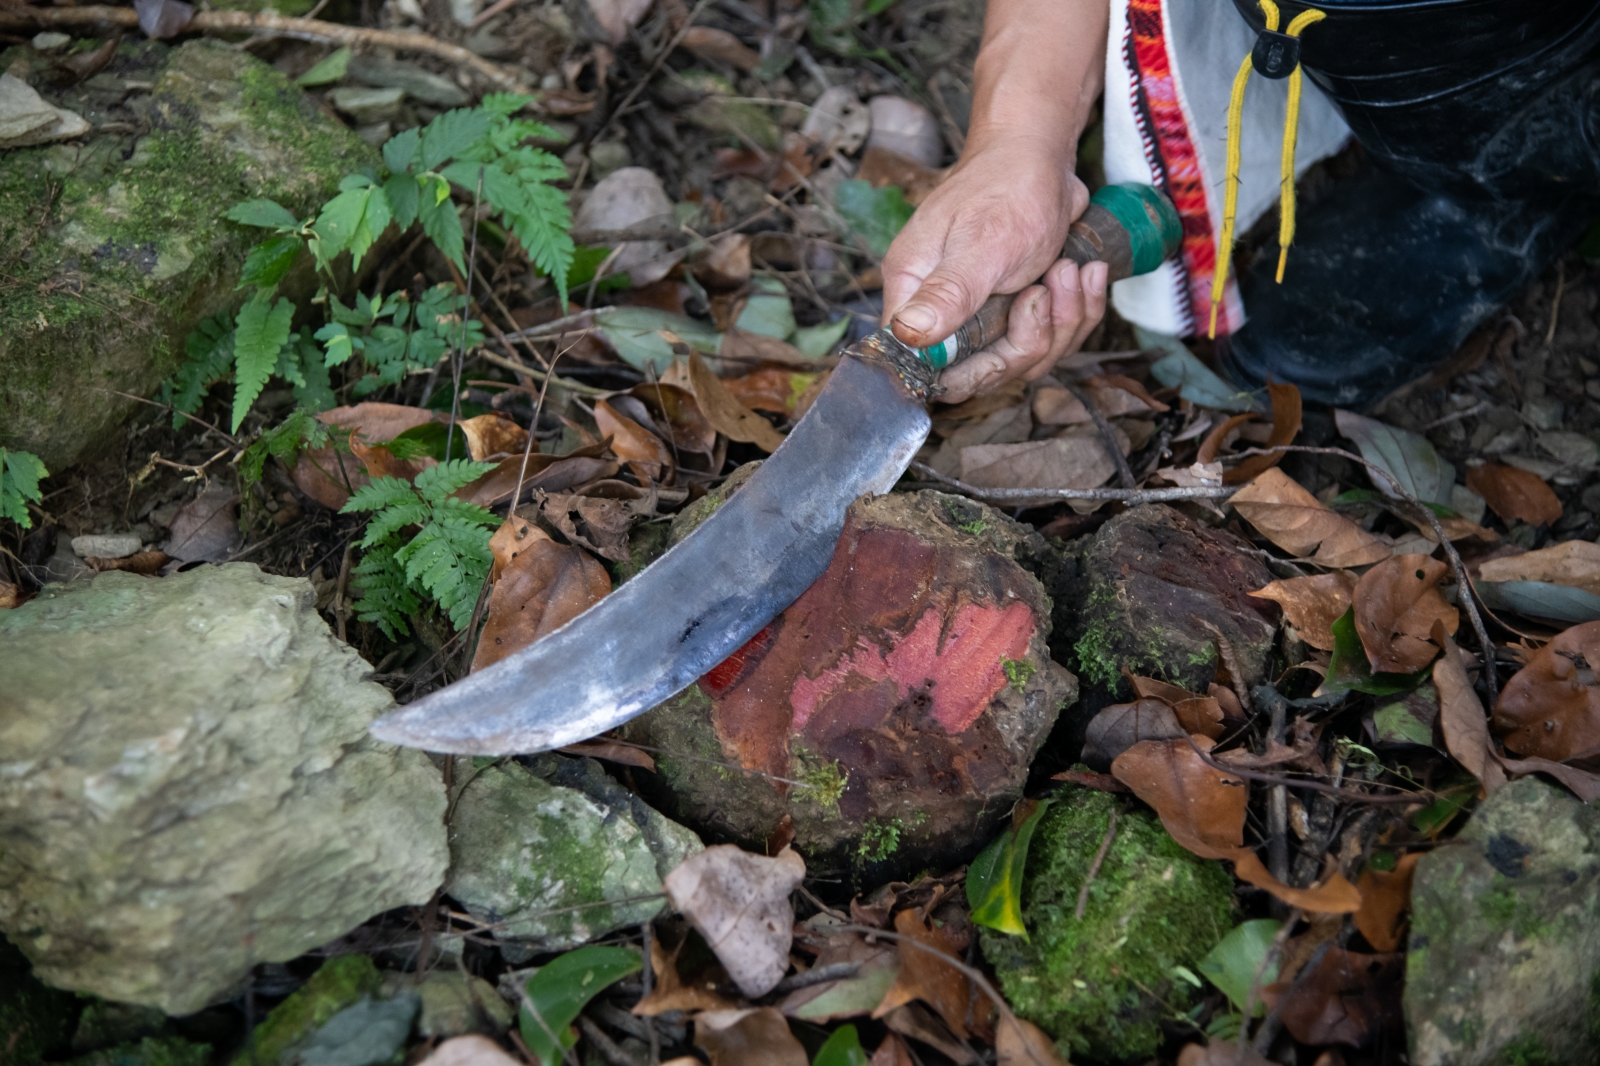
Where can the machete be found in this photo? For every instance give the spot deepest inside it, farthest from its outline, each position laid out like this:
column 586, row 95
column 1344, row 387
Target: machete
column 705, row 597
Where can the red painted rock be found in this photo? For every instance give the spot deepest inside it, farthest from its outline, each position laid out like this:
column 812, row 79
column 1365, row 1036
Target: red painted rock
column 891, row 712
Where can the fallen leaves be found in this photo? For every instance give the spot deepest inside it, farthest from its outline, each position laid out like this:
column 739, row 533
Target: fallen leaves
column 1461, row 717
column 726, row 413
column 1344, row 998
column 925, row 976
column 1313, row 604
column 1516, row 495
column 753, row 1035
column 1300, row 524
column 1385, row 898
column 1573, row 563
column 1396, row 604
column 994, row 881
column 539, row 586
column 740, row 903
column 1550, row 709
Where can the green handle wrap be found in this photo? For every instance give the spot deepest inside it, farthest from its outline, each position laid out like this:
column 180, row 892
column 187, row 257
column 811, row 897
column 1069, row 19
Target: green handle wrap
column 1153, row 226
column 1131, row 228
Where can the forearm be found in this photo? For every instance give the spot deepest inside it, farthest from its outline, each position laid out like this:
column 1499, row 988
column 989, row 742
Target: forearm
column 1039, row 71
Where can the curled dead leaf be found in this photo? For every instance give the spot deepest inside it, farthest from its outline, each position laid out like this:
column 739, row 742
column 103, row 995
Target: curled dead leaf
column 647, row 454
column 1574, row 563
column 146, row 562
column 726, row 413
column 776, row 389
column 673, row 992
column 1286, row 416
column 1385, row 898
column 1462, row 720
column 1396, row 604
column 611, row 751
column 1313, row 604
column 1550, row 709
column 1122, row 725
column 1515, row 494
column 880, row 166
column 740, row 903
column 925, row 976
column 492, row 436
column 1018, row 1042
column 328, row 475
column 1296, row 521
column 542, row 586
column 1346, row 998
column 743, row 1037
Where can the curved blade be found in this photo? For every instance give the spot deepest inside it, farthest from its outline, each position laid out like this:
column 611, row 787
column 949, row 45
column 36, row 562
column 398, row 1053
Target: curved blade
column 700, row 601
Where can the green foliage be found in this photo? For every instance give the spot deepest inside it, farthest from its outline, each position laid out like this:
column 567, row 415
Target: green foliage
column 994, row 881
column 843, row 1048
column 394, row 336
column 259, row 334
column 1233, row 965
column 447, row 559
column 20, row 473
column 876, row 215
column 561, row 989
column 300, row 430
column 329, row 70
column 1350, row 670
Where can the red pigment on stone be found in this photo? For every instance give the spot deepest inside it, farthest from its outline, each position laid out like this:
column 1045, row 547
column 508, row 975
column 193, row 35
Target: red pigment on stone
column 722, row 677
column 960, row 678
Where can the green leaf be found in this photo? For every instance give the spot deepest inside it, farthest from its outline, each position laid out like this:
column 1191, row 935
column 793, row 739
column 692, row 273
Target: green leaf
column 208, row 356
column 1349, row 669
column 1410, row 458
column 561, row 989
column 1409, row 720
column 505, row 104
column 20, row 473
column 451, row 134
column 379, row 494
column 284, row 442
column 877, row 215
column 442, row 223
column 260, row 331
column 329, row 70
column 263, row 213
column 400, row 150
column 1233, row 963
column 385, row 598
column 314, row 391
column 401, row 192
column 843, row 1048
column 817, row 341
column 266, row 264
column 437, row 482
column 428, row 440
column 994, row 882
column 769, row 314
column 342, row 223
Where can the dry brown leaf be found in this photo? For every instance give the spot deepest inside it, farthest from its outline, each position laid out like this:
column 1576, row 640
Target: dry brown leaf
column 614, row 17
column 552, row 473
column 1313, row 604
column 925, row 976
column 1462, row 720
column 206, row 529
column 878, row 965
column 1077, row 459
column 1021, row 1043
column 1550, row 709
column 323, row 473
column 1286, row 415
column 599, row 524
column 880, row 166
column 11, row 595
column 740, row 903
column 755, row 1036
column 647, row 454
column 1221, row 1053
column 672, row 992
column 1396, row 604
column 513, row 535
column 1203, row 809
column 742, row 346
column 1122, row 725
column 1195, row 713
column 1515, row 494
column 469, row 1051
column 544, row 586
column 1296, row 521
column 776, row 389
column 1349, row 998
column 1574, row 563
column 725, row 264
column 727, row 414
column 920, row 1024
column 1055, row 406
column 1582, row 783
column 720, row 46
column 677, row 416
column 611, row 751
column 147, row 562
column 492, row 436
column 892, row 1052
column 1385, row 898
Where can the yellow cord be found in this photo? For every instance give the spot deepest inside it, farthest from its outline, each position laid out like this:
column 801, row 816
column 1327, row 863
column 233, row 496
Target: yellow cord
column 1291, row 129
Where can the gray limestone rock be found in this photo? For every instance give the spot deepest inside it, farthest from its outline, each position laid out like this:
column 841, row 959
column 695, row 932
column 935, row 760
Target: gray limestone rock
column 525, row 851
column 187, row 787
column 454, row 1003
column 1504, row 962
column 106, row 545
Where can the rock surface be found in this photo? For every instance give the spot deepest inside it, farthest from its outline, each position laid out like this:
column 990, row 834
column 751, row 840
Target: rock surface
column 906, row 691
column 138, row 226
column 341, row 982
column 527, row 850
column 1137, row 593
column 1504, row 962
column 1151, row 906
column 187, row 787
column 454, row 1003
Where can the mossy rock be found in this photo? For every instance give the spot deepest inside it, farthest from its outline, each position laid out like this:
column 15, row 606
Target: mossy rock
column 112, row 250
column 149, row 1051
column 337, row 984
column 1101, row 984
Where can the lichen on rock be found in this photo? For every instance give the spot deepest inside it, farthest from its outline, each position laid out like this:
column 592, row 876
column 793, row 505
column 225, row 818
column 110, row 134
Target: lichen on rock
column 1092, row 982
column 187, row 787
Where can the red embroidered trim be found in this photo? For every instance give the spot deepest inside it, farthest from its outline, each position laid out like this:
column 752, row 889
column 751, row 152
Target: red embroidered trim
column 1172, row 156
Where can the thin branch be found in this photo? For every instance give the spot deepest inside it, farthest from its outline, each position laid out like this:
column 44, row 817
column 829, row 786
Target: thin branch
column 1128, row 496
column 1108, row 436
column 639, row 86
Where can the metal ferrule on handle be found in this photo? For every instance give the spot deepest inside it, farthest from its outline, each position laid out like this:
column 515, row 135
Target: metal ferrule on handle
column 1131, row 228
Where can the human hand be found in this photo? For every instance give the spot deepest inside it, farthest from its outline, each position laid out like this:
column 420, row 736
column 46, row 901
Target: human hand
column 996, row 224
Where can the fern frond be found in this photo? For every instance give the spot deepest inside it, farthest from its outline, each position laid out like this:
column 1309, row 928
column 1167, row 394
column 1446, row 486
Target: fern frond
column 379, row 493
column 438, row 482
column 260, row 332
column 20, row 473
column 386, row 598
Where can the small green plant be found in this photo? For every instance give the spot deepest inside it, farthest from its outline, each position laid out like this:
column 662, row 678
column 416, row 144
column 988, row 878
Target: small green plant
column 447, row 559
column 20, row 474
column 284, row 441
column 879, row 840
column 1018, row 671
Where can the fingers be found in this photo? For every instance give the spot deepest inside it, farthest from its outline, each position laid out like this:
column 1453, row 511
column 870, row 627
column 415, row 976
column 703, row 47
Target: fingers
column 946, row 297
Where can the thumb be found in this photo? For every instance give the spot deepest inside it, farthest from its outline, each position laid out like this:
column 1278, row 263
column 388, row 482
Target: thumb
column 948, row 296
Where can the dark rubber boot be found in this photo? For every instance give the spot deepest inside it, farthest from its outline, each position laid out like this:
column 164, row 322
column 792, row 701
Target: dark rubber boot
column 1481, row 120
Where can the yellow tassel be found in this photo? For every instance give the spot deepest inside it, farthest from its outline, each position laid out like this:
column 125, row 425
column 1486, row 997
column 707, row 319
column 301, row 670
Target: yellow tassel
column 1291, row 131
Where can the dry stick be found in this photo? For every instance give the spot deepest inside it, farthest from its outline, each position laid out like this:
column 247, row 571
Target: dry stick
column 1007, row 1017
column 1129, row 496
column 583, row 319
column 1278, row 798
column 1108, row 436
column 834, row 971
column 267, row 25
column 1491, row 676
column 1555, row 304
column 168, row 407
column 466, row 304
column 1314, row 786
column 647, row 980
column 639, row 86
column 1094, row 867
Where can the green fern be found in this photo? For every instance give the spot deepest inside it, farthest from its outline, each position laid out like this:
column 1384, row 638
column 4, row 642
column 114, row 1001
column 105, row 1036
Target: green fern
column 300, row 430
column 259, row 334
column 208, row 359
column 20, row 474
column 447, row 559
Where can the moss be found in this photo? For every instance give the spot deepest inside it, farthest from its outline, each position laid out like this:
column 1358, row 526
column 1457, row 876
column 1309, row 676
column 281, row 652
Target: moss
column 337, row 984
column 1101, row 985
column 645, row 545
column 1019, row 672
column 150, row 1051
column 1504, row 908
column 879, row 840
column 1526, row 1050
column 825, row 779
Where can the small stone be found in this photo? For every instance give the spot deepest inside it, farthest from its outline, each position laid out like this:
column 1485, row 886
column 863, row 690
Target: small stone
column 608, row 157
column 338, row 983
column 414, row 81
column 376, row 134
column 1103, row 984
column 527, row 854
column 50, row 41
column 368, row 106
column 106, row 546
column 1505, row 934
column 907, row 691
column 454, row 1003
column 1544, row 412
column 368, row 1033
column 905, row 128
column 26, row 118
column 195, row 747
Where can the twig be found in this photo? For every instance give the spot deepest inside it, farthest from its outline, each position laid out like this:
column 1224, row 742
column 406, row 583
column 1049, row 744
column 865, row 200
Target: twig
column 1455, row 416
column 1555, row 304
column 639, row 86
column 1491, row 676
column 647, row 978
column 338, row 593
column 520, row 367
column 1094, row 867
column 559, row 325
column 167, row 406
column 817, row 975
column 1314, row 786
column 269, row 25
column 1108, row 436
column 461, row 344
column 1129, row 496
column 1278, row 796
